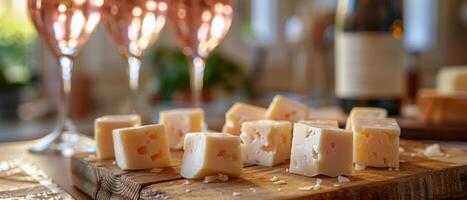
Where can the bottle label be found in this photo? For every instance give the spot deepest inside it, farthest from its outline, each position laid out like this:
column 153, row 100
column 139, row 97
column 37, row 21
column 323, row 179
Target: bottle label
column 369, row 65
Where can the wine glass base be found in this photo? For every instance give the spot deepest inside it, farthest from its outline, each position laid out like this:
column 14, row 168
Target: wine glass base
column 65, row 143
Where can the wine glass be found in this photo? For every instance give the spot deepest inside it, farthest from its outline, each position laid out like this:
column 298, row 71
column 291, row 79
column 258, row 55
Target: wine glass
column 200, row 25
column 134, row 25
column 64, row 26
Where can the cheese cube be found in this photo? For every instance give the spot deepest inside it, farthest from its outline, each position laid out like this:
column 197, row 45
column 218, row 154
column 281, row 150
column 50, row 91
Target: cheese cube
column 239, row 113
column 321, row 123
column 452, row 80
column 266, row 142
column 208, row 154
column 365, row 112
column 141, row 147
column 283, row 108
column 376, row 142
column 103, row 127
column 326, row 151
column 179, row 122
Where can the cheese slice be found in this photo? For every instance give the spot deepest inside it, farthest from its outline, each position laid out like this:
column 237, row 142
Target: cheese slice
column 239, row 113
column 326, row 151
column 376, row 142
column 208, row 154
column 143, row 147
column 321, row 123
column 365, row 112
column 181, row 121
column 103, row 127
column 266, row 142
column 452, row 80
column 283, row 108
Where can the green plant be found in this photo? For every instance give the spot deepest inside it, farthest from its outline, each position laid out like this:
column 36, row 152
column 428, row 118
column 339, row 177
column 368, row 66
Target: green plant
column 16, row 37
column 172, row 70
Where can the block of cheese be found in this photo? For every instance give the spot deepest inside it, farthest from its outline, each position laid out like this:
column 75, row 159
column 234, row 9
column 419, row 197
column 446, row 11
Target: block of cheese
column 441, row 109
column 365, row 112
column 326, row 151
column 179, row 122
column 208, row 154
column 452, row 80
column 103, row 127
column 376, row 142
column 321, row 123
column 266, row 142
column 283, row 108
column 142, row 147
column 239, row 113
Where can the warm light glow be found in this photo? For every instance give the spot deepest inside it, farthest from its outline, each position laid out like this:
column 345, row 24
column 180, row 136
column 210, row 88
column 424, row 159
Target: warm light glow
column 136, row 11
column 151, row 5
column 61, row 8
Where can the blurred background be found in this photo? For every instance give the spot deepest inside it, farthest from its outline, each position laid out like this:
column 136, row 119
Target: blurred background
column 273, row 46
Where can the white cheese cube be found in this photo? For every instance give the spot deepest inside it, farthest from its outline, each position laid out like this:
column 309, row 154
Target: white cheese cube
column 266, row 142
column 103, row 127
column 208, row 154
column 326, row 151
column 452, row 80
column 283, row 108
column 321, row 123
column 179, row 122
column 365, row 112
column 239, row 113
column 143, row 147
column 376, row 142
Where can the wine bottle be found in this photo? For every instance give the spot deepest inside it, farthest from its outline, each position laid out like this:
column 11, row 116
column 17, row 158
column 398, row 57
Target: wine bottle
column 369, row 54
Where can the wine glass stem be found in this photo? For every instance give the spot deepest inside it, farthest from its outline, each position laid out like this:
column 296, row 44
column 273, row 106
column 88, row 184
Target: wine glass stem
column 134, row 66
column 64, row 121
column 196, row 78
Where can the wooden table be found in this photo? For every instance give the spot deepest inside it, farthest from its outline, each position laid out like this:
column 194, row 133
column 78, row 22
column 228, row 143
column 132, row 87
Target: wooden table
column 55, row 166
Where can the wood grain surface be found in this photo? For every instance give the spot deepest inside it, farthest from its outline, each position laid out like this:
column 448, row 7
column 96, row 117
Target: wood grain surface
column 419, row 177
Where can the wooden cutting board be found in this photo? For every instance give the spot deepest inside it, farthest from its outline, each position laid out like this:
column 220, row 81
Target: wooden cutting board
column 419, row 177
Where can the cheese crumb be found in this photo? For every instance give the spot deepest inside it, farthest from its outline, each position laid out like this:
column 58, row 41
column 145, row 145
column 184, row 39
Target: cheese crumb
column 433, row 150
column 279, row 189
column 306, row 188
column 342, row 179
column 210, row 179
column 187, row 190
column 222, row 177
column 236, row 193
column 156, row 170
column 359, row 167
column 286, row 170
column 402, row 161
column 187, row 182
column 114, row 163
column 279, row 182
column 401, row 149
column 336, row 185
column 253, row 189
column 274, row 179
column 317, row 187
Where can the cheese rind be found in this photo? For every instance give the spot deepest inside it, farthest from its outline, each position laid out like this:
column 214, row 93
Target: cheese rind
column 321, row 123
column 141, row 147
column 266, row 142
column 376, row 142
column 326, row 151
column 283, row 108
column 208, row 154
column 179, row 122
column 239, row 113
column 103, row 127
column 365, row 112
